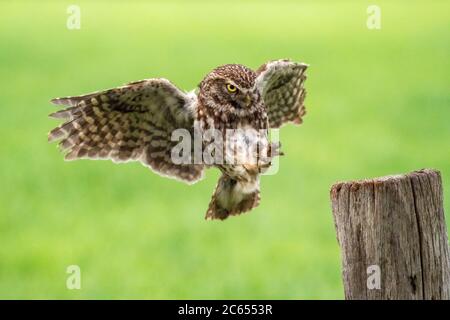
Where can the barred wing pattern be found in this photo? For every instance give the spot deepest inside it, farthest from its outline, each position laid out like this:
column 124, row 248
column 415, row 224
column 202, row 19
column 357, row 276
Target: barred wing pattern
column 281, row 84
column 129, row 123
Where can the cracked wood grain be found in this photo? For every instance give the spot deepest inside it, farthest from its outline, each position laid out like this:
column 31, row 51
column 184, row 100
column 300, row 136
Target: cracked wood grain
column 397, row 223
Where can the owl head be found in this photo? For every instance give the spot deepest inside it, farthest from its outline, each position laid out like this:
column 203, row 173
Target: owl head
column 229, row 90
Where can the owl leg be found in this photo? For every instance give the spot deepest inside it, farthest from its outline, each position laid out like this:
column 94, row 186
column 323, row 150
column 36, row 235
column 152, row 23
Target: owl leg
column 265, row 161
column 232, row 197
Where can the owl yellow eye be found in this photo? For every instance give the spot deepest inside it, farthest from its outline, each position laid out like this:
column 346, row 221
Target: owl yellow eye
column 231, row 88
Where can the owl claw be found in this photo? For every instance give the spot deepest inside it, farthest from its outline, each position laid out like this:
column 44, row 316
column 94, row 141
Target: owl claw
column 274, row 150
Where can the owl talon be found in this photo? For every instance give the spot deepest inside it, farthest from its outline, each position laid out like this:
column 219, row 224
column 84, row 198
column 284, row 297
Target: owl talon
column 274, row 150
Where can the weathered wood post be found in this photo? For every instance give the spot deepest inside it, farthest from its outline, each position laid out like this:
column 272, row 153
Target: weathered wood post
column 393, row 228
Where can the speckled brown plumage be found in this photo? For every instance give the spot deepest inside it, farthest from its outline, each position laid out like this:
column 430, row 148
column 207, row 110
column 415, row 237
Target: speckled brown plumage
column 135, row 123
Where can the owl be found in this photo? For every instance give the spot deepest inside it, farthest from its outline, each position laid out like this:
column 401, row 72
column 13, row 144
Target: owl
column 137, row 121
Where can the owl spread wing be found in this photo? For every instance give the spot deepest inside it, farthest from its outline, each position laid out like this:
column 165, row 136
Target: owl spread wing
column 129, row 123
column 281, row 84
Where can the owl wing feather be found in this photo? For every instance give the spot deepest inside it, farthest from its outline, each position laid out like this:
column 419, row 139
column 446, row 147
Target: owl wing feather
column 129, row 123
column 281, row 84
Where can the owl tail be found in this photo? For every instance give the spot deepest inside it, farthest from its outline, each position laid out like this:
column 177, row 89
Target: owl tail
column 232, row 197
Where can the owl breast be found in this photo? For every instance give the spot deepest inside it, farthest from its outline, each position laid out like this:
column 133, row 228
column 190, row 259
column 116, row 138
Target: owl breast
column 244, row 144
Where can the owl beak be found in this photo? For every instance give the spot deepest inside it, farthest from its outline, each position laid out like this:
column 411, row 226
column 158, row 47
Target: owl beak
column 248, row 101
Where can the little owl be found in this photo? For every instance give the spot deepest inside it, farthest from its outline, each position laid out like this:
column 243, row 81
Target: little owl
column 135, row 122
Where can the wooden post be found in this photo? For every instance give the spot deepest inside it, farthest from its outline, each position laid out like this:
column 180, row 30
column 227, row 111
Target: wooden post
column 393, row 228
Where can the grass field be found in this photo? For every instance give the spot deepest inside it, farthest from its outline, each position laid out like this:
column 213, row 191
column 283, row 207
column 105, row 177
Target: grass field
column 378, row 103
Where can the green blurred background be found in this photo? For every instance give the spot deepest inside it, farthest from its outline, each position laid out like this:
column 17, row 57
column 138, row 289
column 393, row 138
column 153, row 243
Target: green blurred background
column 378, row 103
